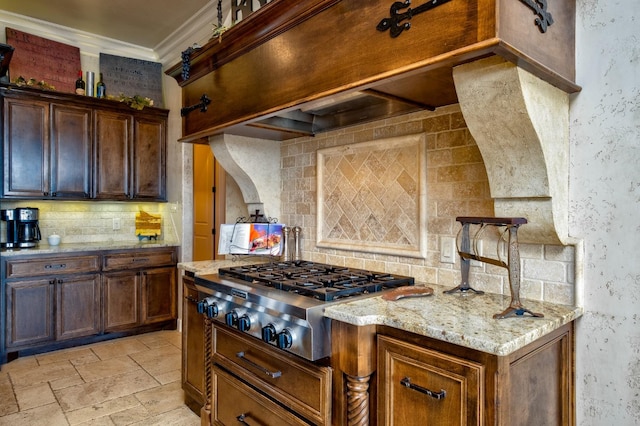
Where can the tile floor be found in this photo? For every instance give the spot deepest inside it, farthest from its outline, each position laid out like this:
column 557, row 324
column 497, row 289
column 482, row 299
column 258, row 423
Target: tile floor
column 129, row 381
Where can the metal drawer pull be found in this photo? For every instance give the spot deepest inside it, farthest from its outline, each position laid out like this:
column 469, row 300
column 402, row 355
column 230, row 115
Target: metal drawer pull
column 272, row 374
column 241, row 419
column 58, row 266
column 141, row 259
column 406, row 382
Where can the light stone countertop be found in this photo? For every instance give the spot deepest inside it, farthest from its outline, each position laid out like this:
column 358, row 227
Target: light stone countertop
column 465, row 320
column 44, row 248
column 205, row 267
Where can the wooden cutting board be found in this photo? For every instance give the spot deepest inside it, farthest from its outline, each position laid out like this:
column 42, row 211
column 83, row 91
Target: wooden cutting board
column 148, row 225
column 409, row 291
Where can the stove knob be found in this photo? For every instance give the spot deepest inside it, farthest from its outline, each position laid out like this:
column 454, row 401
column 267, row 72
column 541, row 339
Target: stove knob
column 244, row 323
column 201, row 306
column 212, row 310
column 269, row 333
column 285, row 339
column 231, row 318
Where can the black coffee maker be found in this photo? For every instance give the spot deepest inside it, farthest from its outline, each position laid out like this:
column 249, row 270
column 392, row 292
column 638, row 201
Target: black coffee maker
column 22, row 227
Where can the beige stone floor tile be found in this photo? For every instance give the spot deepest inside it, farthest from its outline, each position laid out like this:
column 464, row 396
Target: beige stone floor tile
column 20, row 364
column 163, row 399
column 109, row 367
column 102, row 410
column 8, row 403
column 130, row 416
column 87, row 394
column 65, row 382
column 47, row 415
column 34, row 396
column 102, row 421
column 118, row 348
column 161, row 364
column 168, row 377
column 42, row 373
column 76, row 356
column 178, row 417
column 154, row 340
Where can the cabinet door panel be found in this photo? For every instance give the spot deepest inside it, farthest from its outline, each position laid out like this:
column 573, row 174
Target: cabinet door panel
column 121, row 300
column 29, row 312
column 158, row 295
column 78, row 310
column 70, row 151
column 149, row 159
column 407, row 374
column 26, row 148
column 112, row 147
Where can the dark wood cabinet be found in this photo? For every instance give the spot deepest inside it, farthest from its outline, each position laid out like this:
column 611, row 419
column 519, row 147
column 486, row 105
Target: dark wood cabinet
column 193, row 346
column 149, row 158
column 26, row 148
column 113, row 155
column 130, row 156
column 70, row 151
column 77, row 305
column 121, row 300
column 29, row 315
column 139, row 288
column 53, row 301
column 63, row 146
column 419, row 386
column 387, row 376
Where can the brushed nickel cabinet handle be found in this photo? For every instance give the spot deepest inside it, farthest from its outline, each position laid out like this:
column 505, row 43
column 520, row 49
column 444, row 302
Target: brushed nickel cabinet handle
column 406, row 382
column 272, row 374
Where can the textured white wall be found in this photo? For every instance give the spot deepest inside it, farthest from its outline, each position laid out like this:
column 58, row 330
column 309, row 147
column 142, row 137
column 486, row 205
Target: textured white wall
column 604, row 209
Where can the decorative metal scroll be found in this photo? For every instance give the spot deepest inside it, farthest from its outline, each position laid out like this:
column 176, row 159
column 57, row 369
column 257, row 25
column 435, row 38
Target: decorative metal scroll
column 395, row 23
column 544, row 18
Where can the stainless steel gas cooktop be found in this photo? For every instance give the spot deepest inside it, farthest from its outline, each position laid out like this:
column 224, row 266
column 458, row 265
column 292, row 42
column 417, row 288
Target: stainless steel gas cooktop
column 282, row 303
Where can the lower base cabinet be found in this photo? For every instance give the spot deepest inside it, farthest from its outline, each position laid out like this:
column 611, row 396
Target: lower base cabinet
column 386, row 376
column 421, row 387
column 51, row 302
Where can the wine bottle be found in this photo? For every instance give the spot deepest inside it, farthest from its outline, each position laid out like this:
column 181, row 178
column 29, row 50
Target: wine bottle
column 80, row 84
column 101, row 89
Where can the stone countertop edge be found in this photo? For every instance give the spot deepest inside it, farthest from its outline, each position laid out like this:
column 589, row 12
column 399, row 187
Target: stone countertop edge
column 206, row 267
column 464, row 320
column 44, row 248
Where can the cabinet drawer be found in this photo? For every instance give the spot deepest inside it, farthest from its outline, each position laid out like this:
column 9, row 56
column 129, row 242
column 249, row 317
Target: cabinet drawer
column 138, row 259
column 52, row 266
column 301, row 385
column 236, row 403
column 420, row 386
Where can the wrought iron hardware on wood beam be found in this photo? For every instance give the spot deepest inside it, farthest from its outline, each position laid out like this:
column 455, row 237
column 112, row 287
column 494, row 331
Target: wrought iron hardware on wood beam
column 394, row 23
column 204, row 102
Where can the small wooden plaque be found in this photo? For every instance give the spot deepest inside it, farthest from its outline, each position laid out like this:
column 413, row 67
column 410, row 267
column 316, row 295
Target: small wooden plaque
column 36, row 57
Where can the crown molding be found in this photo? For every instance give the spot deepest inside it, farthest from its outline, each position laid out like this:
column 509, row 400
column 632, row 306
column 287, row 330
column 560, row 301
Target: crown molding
column 197, row 30
column 88, row 43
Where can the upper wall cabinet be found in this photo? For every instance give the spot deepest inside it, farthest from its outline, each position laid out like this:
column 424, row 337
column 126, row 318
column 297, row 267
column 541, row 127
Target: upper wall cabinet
column 63, row 146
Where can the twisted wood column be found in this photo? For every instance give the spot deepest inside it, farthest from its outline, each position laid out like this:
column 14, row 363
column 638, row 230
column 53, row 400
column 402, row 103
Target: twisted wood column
column 357, row 400
column 205, row 413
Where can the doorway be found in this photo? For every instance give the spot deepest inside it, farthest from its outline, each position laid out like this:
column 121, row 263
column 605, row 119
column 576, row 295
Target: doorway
column 209, row 180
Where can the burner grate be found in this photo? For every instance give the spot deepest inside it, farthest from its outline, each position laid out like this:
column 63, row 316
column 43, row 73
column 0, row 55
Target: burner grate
column 317, row 280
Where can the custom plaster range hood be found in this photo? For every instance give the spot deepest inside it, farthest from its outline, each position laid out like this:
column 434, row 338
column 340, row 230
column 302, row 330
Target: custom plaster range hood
column 300, row 67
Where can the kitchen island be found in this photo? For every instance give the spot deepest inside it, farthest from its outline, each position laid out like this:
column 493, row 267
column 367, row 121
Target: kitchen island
column 445, row 356
column 447, row 351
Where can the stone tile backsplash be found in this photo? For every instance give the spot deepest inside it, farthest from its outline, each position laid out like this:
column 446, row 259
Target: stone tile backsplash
column 457, row 185
column 81, row 222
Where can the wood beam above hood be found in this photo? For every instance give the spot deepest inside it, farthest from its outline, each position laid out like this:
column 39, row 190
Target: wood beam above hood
column 265, row 75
